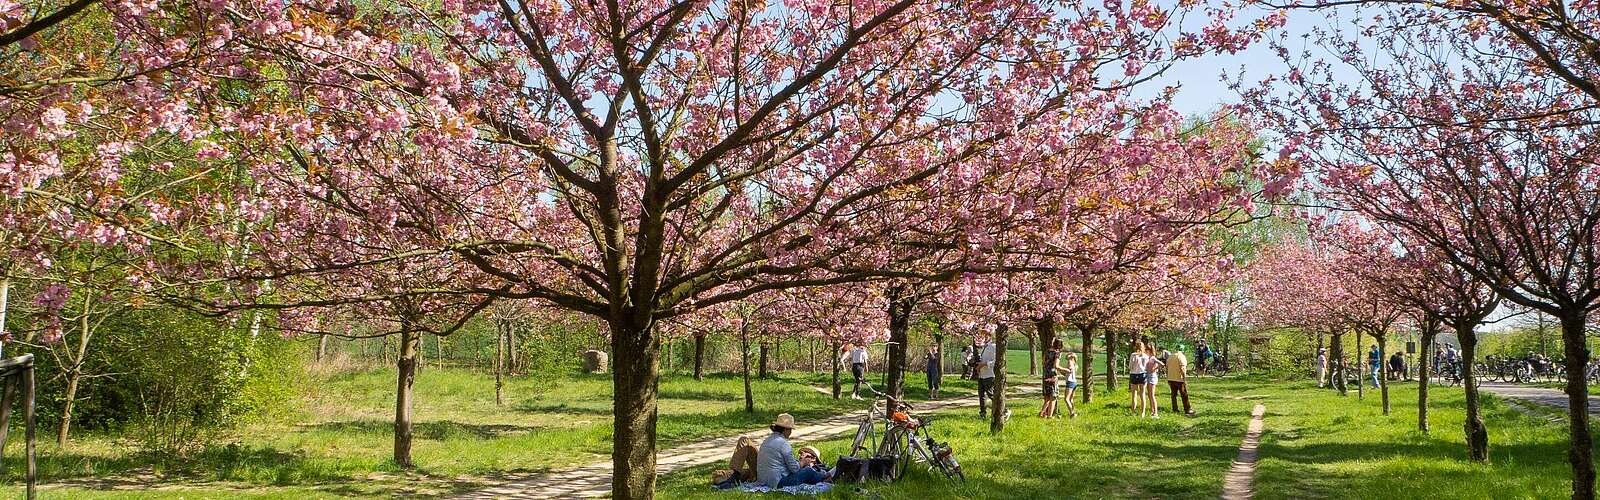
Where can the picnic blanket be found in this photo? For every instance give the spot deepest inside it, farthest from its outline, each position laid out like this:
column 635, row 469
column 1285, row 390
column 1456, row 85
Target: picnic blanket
column 802, row 489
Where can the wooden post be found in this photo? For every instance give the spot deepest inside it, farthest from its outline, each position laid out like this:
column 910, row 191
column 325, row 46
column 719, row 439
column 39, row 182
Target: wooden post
column 27, row 410
column 5, row 415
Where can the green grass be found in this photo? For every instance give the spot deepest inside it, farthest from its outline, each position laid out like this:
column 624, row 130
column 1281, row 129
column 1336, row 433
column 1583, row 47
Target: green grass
column 1317, row 444
column 1322, row 445
column 339, row 439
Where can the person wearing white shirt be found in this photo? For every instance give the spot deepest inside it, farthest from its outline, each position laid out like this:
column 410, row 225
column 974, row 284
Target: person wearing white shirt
column 1137, row 360
column 856, row 357
column 985, row 377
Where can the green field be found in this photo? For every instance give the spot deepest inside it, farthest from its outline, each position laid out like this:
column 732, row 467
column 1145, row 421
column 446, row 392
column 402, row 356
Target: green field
column 1317, row 444
column 338, row 439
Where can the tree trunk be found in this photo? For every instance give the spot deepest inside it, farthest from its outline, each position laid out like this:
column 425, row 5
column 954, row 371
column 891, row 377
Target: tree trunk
column 1383, row 371
column 1477, row 434
column 762, row 366
column 699, row 356
column 998, row 419
column 5, row 302
column 634, row 377
column 1336, row 362
column 744, row 367
column 499, row 363
column 322, row 347
column 74, row 373
column 406, row 369
column 812, row 345
column 1033, row 354
column 901, row 304
column 513, row 361
column 835, row 357
column 1430, row 329
column 1361, row 369
column 1111, row 360
column 73, row 376
column 1087, row 388
column 1579, row 453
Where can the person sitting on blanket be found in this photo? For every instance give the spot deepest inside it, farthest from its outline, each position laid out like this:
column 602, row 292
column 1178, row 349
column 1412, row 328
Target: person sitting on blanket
column 776, row 465
column 813, row 456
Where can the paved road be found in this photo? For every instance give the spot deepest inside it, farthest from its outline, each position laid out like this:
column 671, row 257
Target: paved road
column 594, row 480
column 1539, row 395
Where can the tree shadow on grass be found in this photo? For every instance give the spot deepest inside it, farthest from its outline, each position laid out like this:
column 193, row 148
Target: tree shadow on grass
column 561, row 409
column 700, row 395
column 439, row 430
column 233, row 467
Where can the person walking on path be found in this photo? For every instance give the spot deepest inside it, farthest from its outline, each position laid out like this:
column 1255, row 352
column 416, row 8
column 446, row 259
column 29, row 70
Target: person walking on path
column 1177, row 379
column 776, row 465
column 1397, row 367
column 1052, row 370
column 856, row 357
column 985, row 372
column 1069, row 380
column 935, row 372
column 1322, row 366
column 1375, row 364
column 1152, row 369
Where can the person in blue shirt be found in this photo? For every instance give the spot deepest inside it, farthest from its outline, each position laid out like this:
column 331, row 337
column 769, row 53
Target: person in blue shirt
column 1375, row 361
column 776, row 465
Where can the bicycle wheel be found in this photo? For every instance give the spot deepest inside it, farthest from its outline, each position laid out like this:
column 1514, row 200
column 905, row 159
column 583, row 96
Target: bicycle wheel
column 902, row 453
column 863, row 432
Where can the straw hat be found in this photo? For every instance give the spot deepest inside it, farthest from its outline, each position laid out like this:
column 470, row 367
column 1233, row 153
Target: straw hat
column 812, row 450
column 784, row 420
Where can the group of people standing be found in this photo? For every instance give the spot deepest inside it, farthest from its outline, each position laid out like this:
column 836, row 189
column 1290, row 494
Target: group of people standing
column 1145, row 368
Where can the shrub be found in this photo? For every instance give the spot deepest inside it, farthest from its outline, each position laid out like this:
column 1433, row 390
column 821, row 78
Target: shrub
column 177, row 377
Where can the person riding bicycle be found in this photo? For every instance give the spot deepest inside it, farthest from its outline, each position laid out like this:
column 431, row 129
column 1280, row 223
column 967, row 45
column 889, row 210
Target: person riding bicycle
column 1202, row 355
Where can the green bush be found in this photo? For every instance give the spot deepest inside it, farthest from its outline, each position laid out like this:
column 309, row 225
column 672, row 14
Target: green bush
column 177, row 377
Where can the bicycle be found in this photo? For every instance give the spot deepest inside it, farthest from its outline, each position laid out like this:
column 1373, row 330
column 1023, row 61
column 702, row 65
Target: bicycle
column 906, row 438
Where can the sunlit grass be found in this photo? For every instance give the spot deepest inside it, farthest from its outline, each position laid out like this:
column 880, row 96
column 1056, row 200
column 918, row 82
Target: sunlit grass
column 1317, row 444
column 340, row 436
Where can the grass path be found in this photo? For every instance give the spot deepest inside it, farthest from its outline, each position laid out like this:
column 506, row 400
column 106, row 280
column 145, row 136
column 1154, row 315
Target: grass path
column 1236, row 485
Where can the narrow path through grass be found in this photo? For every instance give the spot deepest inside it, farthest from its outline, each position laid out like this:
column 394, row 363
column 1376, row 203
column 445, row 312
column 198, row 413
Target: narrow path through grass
column 1236, row 485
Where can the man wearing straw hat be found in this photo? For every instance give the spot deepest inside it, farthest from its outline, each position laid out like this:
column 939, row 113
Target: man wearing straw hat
column 776, row 465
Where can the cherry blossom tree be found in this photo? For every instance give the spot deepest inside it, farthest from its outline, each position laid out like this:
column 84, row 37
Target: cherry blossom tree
column 1470, row 133
column 636, row 161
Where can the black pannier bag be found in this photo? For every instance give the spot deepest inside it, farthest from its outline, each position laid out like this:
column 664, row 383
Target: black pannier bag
column 850, row 470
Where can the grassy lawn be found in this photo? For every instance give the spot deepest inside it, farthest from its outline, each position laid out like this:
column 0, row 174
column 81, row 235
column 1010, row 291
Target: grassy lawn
column 338, row 440
column 1321, row 445
column 1317, row 444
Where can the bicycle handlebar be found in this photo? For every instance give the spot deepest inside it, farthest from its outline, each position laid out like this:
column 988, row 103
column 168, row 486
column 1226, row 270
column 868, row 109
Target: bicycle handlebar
column 901, row 402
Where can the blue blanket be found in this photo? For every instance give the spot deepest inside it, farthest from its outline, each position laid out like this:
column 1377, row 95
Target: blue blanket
column 803, row 489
